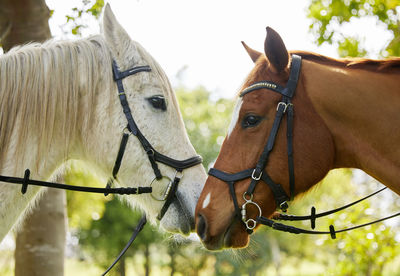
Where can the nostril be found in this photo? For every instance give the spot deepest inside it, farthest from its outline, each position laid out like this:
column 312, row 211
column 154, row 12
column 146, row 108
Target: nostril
column 201, row 227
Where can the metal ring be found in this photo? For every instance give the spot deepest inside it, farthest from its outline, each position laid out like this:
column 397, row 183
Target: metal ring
column 168, row 187
column 126, row 131
column 244, row 196
column 250, row 227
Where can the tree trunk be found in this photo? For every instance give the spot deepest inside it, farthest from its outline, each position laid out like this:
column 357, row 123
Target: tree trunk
column 121, row 266
column 172, row 263
column 23, row 21
column 276, row 254
column 147, row 260
column 40, row 245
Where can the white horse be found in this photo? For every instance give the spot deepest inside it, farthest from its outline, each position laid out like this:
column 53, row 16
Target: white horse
column 58, row 102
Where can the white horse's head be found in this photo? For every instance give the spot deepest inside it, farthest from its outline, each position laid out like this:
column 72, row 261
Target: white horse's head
column 59, row 102
column 156, row 113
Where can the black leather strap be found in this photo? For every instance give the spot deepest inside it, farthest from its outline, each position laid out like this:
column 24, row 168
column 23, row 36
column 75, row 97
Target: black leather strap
column 170, row 198
column 313, row 216
column 120, row 154
column 137, row 230
column 279, row 193
column 289, row 135
column 231, row 186
column 295, row 68
column 178, row 164
column 118, row 75
column 26, row 181
column 228, row 177
column 262, row 161
column 332, row 232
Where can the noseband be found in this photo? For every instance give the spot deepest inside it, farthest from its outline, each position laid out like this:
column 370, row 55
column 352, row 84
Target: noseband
column 258, row 173
column 154, row 156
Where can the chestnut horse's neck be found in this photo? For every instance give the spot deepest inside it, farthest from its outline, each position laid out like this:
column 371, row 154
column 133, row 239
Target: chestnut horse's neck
column 361, row 108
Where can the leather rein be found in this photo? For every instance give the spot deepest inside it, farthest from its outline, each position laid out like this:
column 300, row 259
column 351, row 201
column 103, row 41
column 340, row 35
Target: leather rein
column 258, row 173
column 153, row 155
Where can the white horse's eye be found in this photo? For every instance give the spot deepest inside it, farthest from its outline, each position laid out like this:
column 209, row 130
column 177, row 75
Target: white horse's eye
column 158, row 102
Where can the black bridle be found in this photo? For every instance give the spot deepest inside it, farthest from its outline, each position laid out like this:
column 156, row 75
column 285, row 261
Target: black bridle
column 153, row 155
column 258, row 173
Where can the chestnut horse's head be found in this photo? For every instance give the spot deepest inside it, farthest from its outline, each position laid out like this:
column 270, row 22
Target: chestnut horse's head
column 219, row 214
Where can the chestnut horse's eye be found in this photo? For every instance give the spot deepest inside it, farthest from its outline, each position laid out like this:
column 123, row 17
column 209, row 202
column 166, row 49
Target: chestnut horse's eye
column 158, row 102
column 251, row 121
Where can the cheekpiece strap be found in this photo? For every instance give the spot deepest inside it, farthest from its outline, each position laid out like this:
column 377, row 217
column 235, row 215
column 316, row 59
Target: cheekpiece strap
column 118, row 76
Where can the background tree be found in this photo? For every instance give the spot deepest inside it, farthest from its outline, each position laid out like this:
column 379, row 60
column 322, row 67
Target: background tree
column 364, row 251
column 40, row 243
column 328, row 18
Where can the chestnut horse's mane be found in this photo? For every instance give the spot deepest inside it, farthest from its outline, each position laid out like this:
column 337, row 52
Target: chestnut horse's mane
column 384, row 66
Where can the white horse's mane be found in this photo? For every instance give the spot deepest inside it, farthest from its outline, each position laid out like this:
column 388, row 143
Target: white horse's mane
column 64, row 77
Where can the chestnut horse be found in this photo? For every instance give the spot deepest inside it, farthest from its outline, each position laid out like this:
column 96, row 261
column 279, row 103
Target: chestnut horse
column 346, row 116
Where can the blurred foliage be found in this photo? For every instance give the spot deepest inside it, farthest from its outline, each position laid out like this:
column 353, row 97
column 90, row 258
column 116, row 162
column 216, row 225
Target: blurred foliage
column 83, row 207
column 206, row 121
column 75, row 22
column 327, row 16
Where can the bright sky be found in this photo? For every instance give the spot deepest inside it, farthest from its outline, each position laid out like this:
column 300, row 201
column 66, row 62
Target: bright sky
column 204, row 36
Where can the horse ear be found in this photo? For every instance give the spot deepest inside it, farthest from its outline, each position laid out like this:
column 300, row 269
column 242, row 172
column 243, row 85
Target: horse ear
column 115, row 35
column 275, row 50
column 254, row 55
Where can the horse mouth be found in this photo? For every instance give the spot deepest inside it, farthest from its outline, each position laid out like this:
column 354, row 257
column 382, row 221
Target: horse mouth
column 178, row 209
column 234, row 237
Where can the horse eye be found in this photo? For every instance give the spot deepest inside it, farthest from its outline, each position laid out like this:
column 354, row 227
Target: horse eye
column 251, row 121
column 158, row 102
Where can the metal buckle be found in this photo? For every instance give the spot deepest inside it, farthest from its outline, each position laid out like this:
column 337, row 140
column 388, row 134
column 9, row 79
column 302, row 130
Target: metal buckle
column 178, row 174
column 286, row 105
column 256, row 178
column 150, row 152
column 284, row 206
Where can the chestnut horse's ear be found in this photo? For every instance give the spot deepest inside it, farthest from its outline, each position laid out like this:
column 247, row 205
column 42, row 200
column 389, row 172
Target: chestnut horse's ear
column 275, row 50
column 254, row 55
